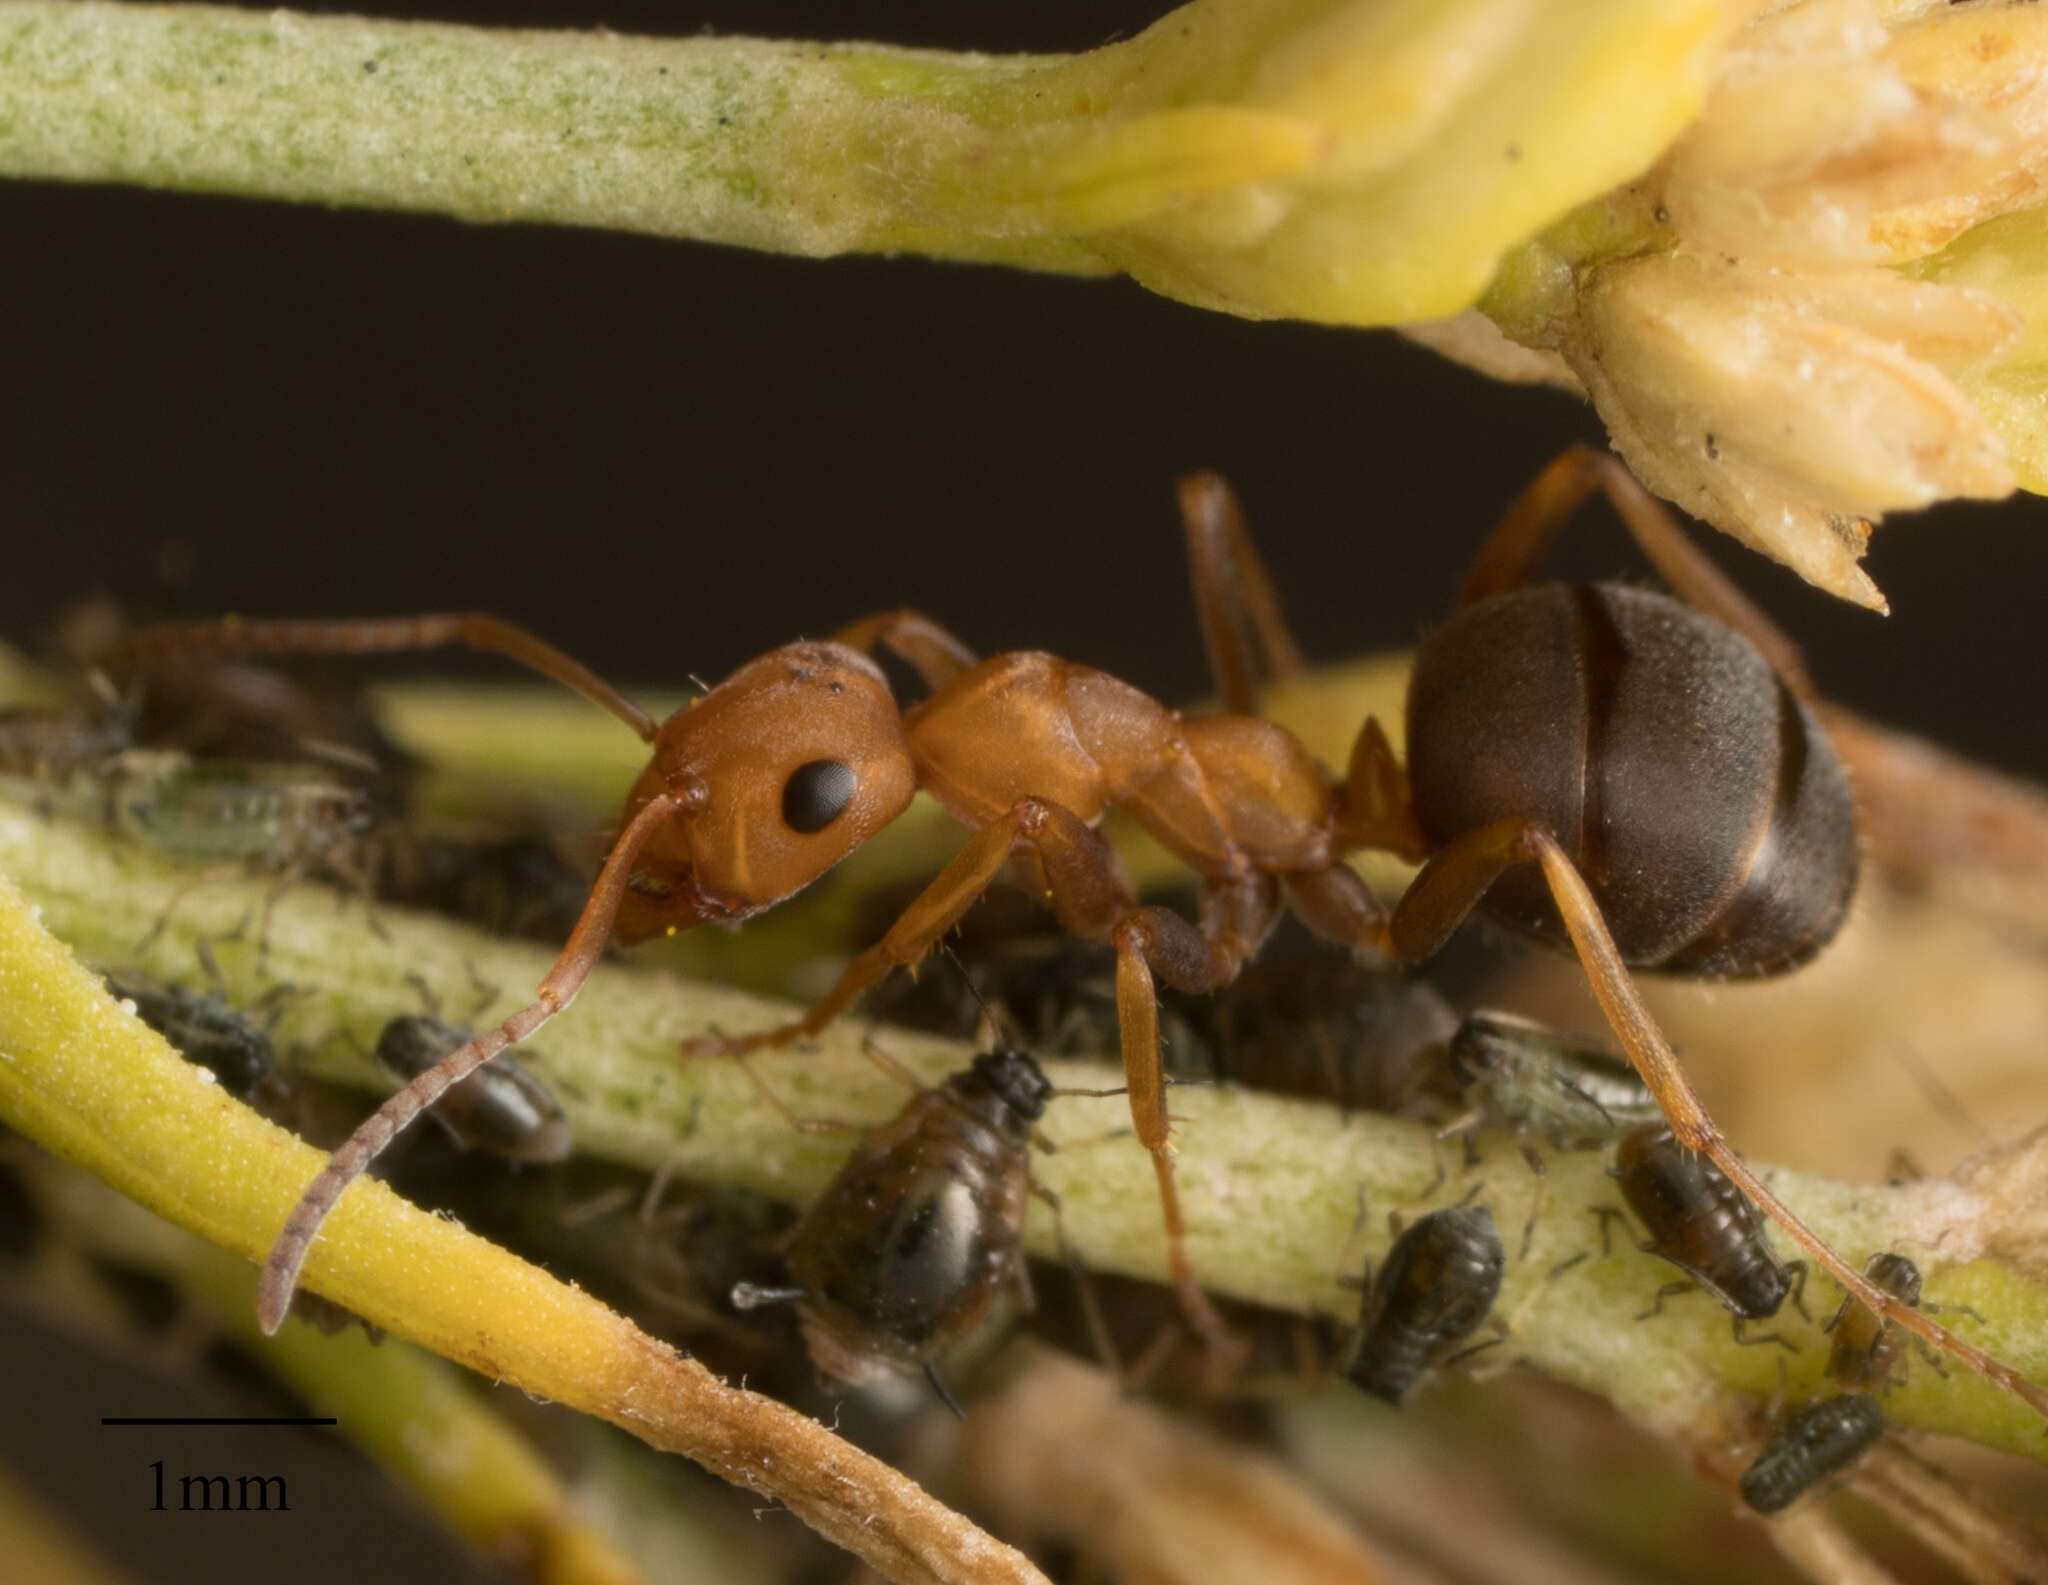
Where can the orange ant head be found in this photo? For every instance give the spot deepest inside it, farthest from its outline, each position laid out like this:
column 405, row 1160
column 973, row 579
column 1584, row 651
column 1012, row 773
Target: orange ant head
column 783, row 769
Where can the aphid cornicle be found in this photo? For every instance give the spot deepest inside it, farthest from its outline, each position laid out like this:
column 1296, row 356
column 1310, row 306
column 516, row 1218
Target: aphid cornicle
column 1435, row 1289
column 1702, row 1224
column 502, row 1109
column 920, row 1231
column 1821, row 1440
column 1867, row 1348
column 1652, row 765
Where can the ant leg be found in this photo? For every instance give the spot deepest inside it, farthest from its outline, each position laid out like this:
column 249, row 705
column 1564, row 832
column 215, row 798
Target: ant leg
column 1446, row 891
column 233, row 636
column 1147, row 939
column 585, row 947
column 1031, row 824
column 913, row 638
column 1526, row 530
column 1234, row 596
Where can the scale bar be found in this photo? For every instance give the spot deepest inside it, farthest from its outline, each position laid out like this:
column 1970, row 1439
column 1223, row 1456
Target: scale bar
column 218, row 1420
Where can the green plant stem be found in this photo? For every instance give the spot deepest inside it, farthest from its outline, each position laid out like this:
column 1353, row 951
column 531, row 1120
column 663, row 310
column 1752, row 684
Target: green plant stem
column 1273, row 1186
column 1354, row 161
column 713, row 138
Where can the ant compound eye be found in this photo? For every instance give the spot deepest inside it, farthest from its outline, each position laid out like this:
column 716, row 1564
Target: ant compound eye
column 816, row 795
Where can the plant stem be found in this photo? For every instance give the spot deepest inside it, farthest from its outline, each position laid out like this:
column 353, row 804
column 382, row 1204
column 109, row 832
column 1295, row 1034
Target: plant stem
column 1272, row 1185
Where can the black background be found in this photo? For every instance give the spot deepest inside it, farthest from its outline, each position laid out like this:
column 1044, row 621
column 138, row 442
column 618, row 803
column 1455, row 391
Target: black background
column 669, row 457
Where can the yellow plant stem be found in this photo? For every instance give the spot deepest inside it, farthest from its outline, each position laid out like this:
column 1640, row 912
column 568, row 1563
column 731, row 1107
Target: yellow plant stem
column 85, row 1079
column 400, row 1405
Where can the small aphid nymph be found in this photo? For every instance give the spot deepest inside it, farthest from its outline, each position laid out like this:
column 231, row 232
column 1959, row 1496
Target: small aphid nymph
column 1520, row 1075
column 1866, row 1348
column 1434, row 1290
column 1702, row 1224
column 1823, row 1439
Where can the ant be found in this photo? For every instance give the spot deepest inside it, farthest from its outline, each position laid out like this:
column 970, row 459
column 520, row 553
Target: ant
column 1600, row 766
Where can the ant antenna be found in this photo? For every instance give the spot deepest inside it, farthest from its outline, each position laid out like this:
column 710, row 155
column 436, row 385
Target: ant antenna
column 931, row 1374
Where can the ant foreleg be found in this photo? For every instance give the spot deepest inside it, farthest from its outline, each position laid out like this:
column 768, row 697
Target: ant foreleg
column 1032, row 822
column 1234, row 596
column 1446, row 891
column 585, row 947
column 234, row 636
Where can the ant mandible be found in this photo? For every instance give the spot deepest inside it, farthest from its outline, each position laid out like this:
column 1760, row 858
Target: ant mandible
column 1657, row 765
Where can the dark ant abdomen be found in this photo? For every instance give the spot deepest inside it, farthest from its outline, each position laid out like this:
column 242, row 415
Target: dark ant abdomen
column 1700, row 799
column 1436, row 1287
column 1700, row 1222
column 1823, row 1439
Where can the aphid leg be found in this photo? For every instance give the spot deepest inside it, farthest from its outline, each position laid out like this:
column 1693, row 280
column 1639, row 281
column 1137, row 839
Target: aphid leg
column 585, row 947
column 1436, row 1154
column 1530, row 524
column 179, row 893
column 1234, row 596
column 931, row 1374
column 1445, row 892
column 384, row 636
column 1500, row 1336
column 1607, row 1216
column 1740, row 1331
column 1796, row 1270
column 1670, row 1290
column 913, row 638
column 782, row 1108
column 1535, row 1161
column 1093, row 1321
column 871, row 1048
